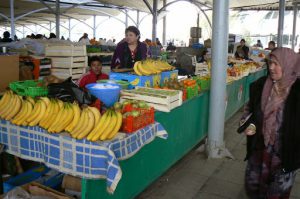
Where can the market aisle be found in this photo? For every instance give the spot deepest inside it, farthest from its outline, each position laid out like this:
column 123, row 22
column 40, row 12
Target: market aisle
column 195, row 177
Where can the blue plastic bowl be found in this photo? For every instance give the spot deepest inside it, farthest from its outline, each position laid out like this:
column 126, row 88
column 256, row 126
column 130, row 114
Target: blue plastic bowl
column 108, row 93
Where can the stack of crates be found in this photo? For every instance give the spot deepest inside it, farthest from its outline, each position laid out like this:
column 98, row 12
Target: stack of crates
column 67, row 60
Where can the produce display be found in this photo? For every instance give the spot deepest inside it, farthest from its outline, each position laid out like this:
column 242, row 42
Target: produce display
column 57, row 116
column 151, row 67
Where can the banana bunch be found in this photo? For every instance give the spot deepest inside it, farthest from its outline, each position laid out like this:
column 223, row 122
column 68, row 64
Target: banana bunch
column 10, row 105
column 25, row 112
column 51, row 113
column 38, row 112
column 85, row 122
column 108, row 126
column 150, row 67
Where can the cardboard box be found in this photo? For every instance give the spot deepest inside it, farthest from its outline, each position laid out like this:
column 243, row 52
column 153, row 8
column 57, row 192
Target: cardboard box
column 9, row 67
column 134, row 80
column 166, row 75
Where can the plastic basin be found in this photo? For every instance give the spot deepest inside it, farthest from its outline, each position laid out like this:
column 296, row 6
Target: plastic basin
column 108, row 93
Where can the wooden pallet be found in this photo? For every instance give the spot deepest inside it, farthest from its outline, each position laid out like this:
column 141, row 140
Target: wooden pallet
column 65, row 50
column 69, row 62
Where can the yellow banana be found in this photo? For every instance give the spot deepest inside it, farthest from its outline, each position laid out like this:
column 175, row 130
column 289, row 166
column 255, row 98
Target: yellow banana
column 41, row 110
column 16, row 108
column 6, row 106
column 10, row 107
column 135, row 68
column 98, row 126
column 96, row 114
column 150, row 66
column 85, row 120
column 117, row 126
column 46, row 116
column 35, row 111
column 103, row 127
column 79, row 124
column 58, row 119
column 5, row 98
column 21, row 113
column 52, row 115
column 66, row 120
column 60, row 104
column 28, row 113
column 46, row 100
column 110, row 126
column 143, row 70
column 31, row 100
column 76, row 112
column 90, row 125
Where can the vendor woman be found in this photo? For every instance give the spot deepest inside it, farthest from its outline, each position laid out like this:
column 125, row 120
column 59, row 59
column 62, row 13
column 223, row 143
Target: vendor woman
column 129, row 51
column 94, row 74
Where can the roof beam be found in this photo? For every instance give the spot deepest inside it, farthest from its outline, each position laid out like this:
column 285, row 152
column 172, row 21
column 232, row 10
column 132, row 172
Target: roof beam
column 148, row 6
column 78, row 20
column 46, row 5
column 4, row 16
column 126, row 13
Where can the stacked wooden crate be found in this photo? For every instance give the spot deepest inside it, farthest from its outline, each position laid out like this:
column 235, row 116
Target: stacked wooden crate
column 67, row 60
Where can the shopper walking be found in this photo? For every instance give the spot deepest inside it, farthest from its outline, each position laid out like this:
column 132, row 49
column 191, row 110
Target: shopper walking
column 273, row 137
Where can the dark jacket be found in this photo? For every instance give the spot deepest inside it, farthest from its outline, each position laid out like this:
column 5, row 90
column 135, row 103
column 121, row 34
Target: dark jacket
column 245, row 50
column 289, row 130
column 122, row 55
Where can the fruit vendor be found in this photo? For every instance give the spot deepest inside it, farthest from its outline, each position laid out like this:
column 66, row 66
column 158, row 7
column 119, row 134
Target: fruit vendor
column 129, row 51
column 242, row 50
column 94, row 74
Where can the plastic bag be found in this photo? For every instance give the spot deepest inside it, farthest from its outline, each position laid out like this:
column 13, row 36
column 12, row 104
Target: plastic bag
column 68, row 91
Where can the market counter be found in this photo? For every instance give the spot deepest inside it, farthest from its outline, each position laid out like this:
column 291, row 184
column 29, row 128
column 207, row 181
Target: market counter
column 186, row 125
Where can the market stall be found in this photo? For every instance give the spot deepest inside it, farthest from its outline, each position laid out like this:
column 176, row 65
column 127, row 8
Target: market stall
column 55, row 127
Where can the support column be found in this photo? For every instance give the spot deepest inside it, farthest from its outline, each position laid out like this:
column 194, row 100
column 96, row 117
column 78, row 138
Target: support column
column 215, row 145
column 57, row 19
column 94, row 26
column 164, row 36
column 154, row 21
column 294, row 24
column 137, row 18
column 280, row 22
column 126, row 18
column 23, row 31
column 70, row 29
column 12, row 20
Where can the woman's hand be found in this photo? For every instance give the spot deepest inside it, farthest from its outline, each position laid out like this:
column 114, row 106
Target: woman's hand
column 251, row 130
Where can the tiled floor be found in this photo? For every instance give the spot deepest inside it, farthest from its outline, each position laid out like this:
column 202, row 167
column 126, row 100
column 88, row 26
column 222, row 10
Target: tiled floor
column 196, row 177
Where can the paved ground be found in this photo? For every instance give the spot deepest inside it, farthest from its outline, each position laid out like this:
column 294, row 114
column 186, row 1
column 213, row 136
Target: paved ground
column 196, row 177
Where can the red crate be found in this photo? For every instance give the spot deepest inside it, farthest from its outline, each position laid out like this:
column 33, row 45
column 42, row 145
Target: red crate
column 131, row 124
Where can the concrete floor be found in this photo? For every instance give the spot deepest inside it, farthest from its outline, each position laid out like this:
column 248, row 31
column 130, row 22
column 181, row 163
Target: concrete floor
column 196, row 177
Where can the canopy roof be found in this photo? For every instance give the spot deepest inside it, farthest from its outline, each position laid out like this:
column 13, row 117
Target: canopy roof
column 38, row 12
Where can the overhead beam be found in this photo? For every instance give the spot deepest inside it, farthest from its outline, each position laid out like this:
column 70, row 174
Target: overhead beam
column 46, row 5
column 148, row 6
column 4, row 16
column 128, row 16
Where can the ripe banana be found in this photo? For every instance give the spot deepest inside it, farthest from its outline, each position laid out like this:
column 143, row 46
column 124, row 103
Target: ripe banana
column 46, row 116
column 103, row 127
column 110, row 126
column 5, row 98
column 10, row 107
column 136, row 69
column 76, row 111
column 58, row 119
column 89, row 126
column 98, row 126
column 66, row 119
column 52, row 115
column 117, row 126
column 6, row 106
column 46, row 100
column 96, row 114
column 16, row 107
column 28, row 113
column 42, row 107
column 35, row 111
column 31, row 100
column 144, row 70
column 79, row 124
column 21, row 113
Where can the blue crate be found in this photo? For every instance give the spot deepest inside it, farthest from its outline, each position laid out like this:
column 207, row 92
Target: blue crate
column 25, row 178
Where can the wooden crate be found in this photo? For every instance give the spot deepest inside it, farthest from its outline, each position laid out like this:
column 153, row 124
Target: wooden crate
column 69, row 62
column 63, row 73
column 159, row 101
column 65, row 50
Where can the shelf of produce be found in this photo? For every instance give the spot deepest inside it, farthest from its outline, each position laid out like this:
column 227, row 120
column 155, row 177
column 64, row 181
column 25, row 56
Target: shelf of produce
column 186, row 125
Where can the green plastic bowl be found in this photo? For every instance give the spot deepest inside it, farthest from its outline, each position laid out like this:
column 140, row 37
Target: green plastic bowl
column 123, row 84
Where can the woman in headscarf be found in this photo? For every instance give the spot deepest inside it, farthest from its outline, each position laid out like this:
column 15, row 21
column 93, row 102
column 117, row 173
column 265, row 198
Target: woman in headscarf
column 273, row 136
